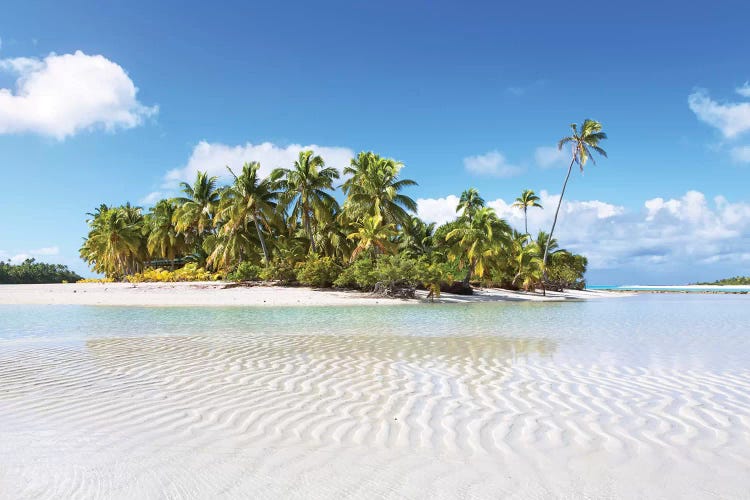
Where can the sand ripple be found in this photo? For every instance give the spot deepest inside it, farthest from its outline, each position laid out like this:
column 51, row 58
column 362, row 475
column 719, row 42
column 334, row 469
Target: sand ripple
column 369, row 416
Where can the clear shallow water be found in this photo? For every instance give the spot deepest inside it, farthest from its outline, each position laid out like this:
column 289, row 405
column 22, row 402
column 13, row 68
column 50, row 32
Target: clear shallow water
column 632, row 397
column 693, row 289
column 686, row 330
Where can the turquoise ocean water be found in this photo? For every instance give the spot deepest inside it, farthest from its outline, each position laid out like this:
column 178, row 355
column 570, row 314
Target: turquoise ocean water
column 657, row 288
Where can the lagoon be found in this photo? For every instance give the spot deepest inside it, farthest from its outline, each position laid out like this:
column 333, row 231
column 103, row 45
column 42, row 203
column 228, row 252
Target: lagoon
column 637, row 396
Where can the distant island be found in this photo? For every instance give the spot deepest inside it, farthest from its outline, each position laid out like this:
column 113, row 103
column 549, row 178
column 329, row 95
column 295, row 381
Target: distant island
column 737, row 280
column 32, row 272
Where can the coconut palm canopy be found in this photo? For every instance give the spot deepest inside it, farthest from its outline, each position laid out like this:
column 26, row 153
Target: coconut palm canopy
column 528, row 199
column 290, row 223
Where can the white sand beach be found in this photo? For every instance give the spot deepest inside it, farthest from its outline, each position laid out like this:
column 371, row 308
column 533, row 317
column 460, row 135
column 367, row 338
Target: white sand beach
column 223, row 294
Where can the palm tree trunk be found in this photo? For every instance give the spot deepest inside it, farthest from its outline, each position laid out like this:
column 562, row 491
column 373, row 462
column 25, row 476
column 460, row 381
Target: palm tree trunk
column 554, row 223
column 467, row 278
column 262, row 239
column 526, row 219
column 308, row 227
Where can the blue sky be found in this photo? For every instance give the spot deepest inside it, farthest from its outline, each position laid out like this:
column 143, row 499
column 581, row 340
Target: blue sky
column 464, row 94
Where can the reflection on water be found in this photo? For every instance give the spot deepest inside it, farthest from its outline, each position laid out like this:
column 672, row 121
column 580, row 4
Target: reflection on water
column 692, row 331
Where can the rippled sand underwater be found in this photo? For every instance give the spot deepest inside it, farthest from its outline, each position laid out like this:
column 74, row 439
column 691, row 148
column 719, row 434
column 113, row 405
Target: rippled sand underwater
column 639, row 397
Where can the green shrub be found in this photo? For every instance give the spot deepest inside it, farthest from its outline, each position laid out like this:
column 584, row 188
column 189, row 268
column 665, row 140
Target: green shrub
column 318, row 271
column 245, row 272
column 279, row 270
column 358, row 274
column 393, row 270
column 566, row 270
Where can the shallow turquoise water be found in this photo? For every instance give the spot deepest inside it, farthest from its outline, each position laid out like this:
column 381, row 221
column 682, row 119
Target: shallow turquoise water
column 684, row 330
column 644, row 396
column 650, row 288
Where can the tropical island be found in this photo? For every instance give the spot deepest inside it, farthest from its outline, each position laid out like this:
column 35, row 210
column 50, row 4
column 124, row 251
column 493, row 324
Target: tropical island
column 289, row 227
column 735, row 281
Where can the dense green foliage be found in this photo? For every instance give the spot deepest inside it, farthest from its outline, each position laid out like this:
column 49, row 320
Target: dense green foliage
column 246, row 271
column 31, row 271
column 318, row 271
column 289, row 227
column 737, row 280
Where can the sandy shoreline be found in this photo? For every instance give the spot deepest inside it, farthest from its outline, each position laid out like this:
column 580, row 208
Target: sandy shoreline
column 217, row 294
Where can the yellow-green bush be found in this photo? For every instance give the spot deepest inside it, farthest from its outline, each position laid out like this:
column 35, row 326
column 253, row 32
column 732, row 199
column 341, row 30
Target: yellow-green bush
column 96, row 280
column 191, row 272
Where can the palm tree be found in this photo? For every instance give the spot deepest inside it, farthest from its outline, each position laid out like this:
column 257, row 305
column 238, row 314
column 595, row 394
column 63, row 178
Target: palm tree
column 249, row 199
column 164, row 241
column 528, row 199
column 583, row 142
column 373, row 235
column 478, row 242
column 524, row 257
column 469, row 203
column 305, row 186
column 195, row 211
column 543, row 240
column 415, row 238
column 115, row 245
column 374, row 185
column 331, row 234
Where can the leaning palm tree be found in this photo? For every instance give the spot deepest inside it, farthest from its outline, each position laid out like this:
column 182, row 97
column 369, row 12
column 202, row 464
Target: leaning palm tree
column 469, row 203
column 583, row 142
column 528, row 199
column 305, row 187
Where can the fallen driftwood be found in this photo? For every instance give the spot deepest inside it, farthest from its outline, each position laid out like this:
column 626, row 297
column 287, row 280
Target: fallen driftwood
column 395, row 290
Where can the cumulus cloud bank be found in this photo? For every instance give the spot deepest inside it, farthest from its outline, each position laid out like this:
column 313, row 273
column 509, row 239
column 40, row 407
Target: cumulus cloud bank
column 215, row 157
column 61, row 95
column 667, row 234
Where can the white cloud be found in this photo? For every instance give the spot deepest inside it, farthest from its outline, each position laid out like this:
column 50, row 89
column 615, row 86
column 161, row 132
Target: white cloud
column 151, row 198
column 732, row 119
column 61, row 95
column 215, row 157
column 20, row 256
column 668, row 236
column 439, row 210
column 45, row 251
column 548, row 157
column 492, row 163
column 744, row 90
column 740, row 154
